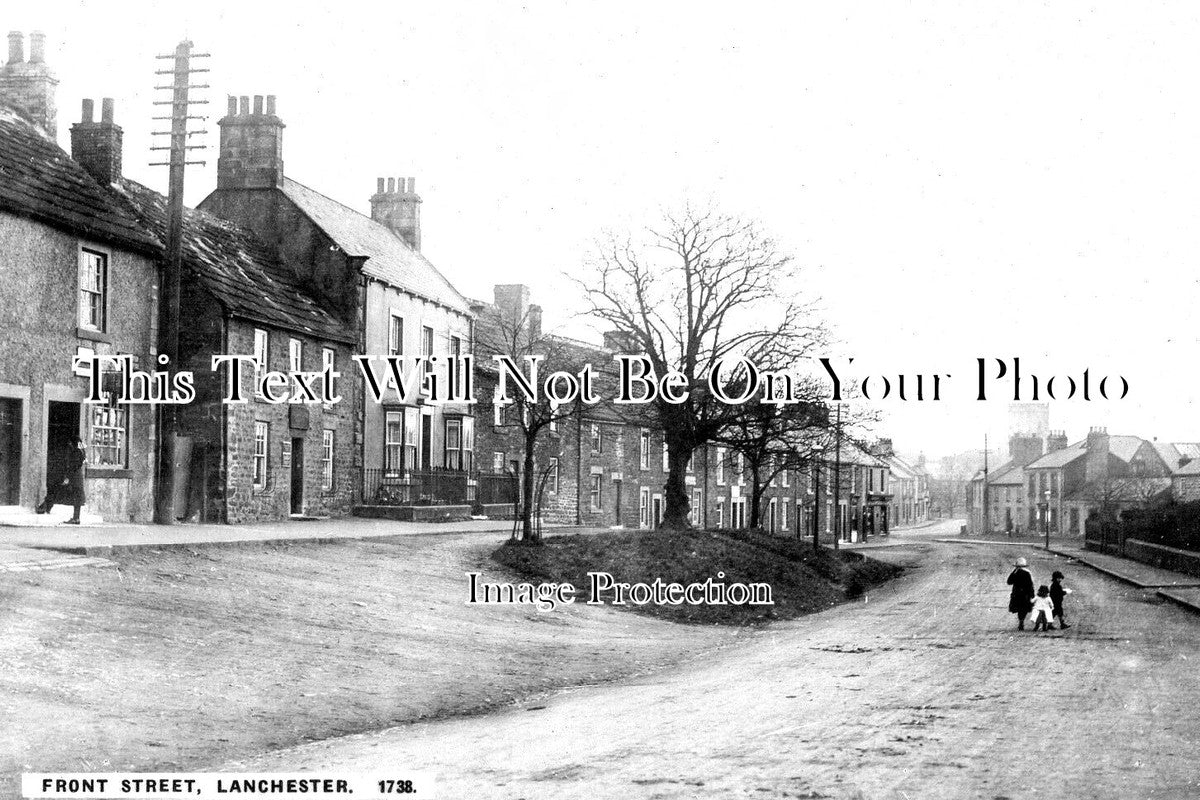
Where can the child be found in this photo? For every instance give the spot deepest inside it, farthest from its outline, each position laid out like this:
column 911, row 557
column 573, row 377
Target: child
column 1057, row 593
column 1044, row 609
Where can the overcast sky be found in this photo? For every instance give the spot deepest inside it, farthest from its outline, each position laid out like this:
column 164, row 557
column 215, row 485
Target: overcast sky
column 957, row 180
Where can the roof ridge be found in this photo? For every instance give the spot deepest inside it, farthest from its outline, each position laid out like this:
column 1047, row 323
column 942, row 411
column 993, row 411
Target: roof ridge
column 390, row 232
column 306, row 187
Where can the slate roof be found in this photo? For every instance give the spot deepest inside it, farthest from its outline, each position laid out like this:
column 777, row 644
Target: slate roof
column 1172, row 452
column 1060, row 458
column 1190, row 468
column 244, row 274
column 1008, row 473
column 1124, row 447
column 39, row 180
column 389, row 258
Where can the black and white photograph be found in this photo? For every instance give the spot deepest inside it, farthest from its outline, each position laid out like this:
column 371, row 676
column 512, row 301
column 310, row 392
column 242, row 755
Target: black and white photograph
column 572, row 399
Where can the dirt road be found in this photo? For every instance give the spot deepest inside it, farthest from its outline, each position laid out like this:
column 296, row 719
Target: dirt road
column 181, row 658
column 924, row 690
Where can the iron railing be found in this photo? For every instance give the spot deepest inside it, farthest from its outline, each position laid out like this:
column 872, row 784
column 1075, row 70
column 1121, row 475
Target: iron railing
column 432, row 487
column 495, row 488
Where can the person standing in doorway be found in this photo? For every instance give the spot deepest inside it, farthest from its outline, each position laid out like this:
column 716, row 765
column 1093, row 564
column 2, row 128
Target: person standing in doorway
column 66, row 485
column 1021, row 600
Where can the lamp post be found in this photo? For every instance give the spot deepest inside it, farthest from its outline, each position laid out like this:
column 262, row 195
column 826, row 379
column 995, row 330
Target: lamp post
column 1046, row 519
column 817, row 451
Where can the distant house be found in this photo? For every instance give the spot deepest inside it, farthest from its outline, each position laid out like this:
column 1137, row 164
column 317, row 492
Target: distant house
column 1005, row 489
column 80, row 274
column 1102, row 473
column 910, row 487
column 1185, row 482
column 369, row 271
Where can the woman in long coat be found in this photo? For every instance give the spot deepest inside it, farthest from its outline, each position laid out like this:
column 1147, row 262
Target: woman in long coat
column 1020, row 602
column 67, row 483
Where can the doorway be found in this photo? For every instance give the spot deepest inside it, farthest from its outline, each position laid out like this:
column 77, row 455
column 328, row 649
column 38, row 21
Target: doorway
column 617, row 508
column 297, row 476
column 62, row 426
column 656, row 508
column 426, row 441
column 10, row 451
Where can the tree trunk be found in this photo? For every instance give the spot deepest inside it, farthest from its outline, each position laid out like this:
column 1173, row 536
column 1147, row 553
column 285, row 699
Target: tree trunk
column 675, row 515
column 527, row 493
column 756, row 493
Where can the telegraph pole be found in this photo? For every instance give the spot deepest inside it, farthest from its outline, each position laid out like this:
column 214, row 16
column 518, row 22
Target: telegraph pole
column 168, row 314
column 987, row 527
column 817, row 500
column 837, row 478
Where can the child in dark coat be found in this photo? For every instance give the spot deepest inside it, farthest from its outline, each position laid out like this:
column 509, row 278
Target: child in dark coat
column 1044, row 608
column 1057, row 593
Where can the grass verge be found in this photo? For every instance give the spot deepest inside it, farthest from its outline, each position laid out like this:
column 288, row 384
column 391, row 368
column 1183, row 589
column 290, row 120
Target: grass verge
column 802, row 581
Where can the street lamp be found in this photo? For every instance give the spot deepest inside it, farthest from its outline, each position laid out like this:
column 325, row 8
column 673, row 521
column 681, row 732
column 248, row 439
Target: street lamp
column 1046, row 519
column 817, row 451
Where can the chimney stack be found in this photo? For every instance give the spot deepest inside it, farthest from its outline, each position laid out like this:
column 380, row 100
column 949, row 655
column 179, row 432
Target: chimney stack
column 1096, row 468
column 399, row 208
column 37, row 48
column 1057, row 440
column 29, row 85
column 251, row 154
column 96, row 146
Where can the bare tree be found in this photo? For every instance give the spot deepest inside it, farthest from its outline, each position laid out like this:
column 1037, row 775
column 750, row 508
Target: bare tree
column 518, row 336
column 1115, row 493
column 948, row 494
column 702, row 288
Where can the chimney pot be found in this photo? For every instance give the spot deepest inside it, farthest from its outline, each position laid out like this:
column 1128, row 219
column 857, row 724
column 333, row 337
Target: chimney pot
column 412, row 185
column 271, row 104
column 16, row 47
column 391, row 185
column 232, row 110
column 37, row 47
column 97, row 148
column 244, row 105
column 379, row 186
column 258, row 104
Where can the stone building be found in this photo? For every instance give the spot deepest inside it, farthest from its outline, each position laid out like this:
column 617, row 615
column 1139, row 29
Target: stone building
column 1185, row 481
column 1005, row 493
column 605, row 465
column 255, row 460
column 910, row 487
column 1101, row 473
column 81, row 278
column 369, row 271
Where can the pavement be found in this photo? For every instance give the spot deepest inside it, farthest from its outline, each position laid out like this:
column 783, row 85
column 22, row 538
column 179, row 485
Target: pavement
column 1176, row 587
column 16, row 543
